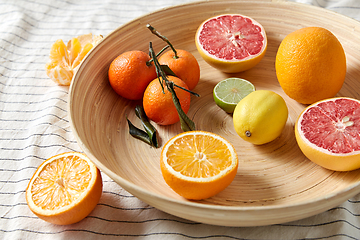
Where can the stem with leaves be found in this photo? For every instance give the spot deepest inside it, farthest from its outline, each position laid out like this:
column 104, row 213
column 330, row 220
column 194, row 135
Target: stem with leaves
column 186, row 123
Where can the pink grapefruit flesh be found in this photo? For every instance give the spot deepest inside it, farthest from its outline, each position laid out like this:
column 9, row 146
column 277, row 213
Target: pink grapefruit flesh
column 231, row 42
column 328, row 133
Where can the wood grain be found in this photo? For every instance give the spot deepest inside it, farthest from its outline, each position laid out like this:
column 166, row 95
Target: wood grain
column 275, row 183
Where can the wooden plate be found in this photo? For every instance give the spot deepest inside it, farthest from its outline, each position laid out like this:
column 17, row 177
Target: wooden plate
column 275, row 183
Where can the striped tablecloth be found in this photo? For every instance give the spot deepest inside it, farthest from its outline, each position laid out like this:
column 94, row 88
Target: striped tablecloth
column 34, row 125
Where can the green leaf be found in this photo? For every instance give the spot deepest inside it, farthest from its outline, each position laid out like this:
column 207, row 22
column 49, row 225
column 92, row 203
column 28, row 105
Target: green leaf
column 167, row 70
column 150, row 129
column 138, row 133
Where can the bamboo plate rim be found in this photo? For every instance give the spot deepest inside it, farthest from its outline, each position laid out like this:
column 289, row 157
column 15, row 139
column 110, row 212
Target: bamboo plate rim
column 354, row 188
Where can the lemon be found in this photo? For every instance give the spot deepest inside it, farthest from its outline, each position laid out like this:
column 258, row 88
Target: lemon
column 228, row 93
column 260, row 117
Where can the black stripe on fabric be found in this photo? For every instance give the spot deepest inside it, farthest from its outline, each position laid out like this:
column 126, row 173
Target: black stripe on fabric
column 99, row 204
column 24, row 78
column 29, row 85
column 21, row 159
column 21, row 46
column 32, row 94
column 143, row 221
column 76, row 19
column 81, row 8
column 347, row 210
column 36, row 102
column 35, row 119
column 127, row 235
column 18, row 61
column 16, row 170
column 22, row 55
column 17, row 181
column 8, row 20
column 118, row 194
column 38, row 146
column 26, row 129
column 16, row 217
column 33, row 111
column 12, row 193
column 122, row 208
column 220, row 236
column 34, row 135
column 13, row 205
column 319, row 224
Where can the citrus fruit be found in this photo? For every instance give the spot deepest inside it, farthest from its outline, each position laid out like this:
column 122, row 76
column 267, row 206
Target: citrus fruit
column 198, row 164
column 66, row 59
column 228, row 93
column 64, row 189
column 328, row 133
column 310, row 65
column 231, row 42
column 185, row 66
column 159, row 106
column 130, row 73
column 260, row 117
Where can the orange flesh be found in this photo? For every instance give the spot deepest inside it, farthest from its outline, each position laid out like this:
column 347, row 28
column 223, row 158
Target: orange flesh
column 201, row 156
column 60, row 183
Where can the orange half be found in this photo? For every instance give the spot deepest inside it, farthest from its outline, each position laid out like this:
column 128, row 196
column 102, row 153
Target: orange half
column 64, row 189
column 198, row 164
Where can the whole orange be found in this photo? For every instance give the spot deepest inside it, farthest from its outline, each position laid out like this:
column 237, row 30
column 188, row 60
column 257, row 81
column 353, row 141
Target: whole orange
column 185, row 66
column 130, row 73
column 159, row 106
column 310, row 65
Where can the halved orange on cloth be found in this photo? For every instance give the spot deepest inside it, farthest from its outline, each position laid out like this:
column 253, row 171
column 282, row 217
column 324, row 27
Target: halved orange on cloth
column 64, row 189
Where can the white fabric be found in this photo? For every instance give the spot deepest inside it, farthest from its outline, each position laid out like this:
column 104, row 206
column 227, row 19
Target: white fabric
column 34, row 125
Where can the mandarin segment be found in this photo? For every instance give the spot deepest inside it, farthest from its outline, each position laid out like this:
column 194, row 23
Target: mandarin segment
column 65, row 59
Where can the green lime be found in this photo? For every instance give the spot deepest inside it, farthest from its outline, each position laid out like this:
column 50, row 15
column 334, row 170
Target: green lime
column 228, row 93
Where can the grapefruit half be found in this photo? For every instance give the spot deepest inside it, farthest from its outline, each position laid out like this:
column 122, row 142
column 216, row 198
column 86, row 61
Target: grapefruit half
column 328, row 133
column 231, row 42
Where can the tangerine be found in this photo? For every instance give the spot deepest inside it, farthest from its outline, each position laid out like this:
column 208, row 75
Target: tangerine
column 130, row 73
column 310, row 65
column 185, row 66
column 159, row 106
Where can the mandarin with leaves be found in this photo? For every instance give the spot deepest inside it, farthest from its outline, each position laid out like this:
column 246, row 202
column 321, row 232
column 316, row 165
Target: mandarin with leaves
column 158, row 103
column 184, row 65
